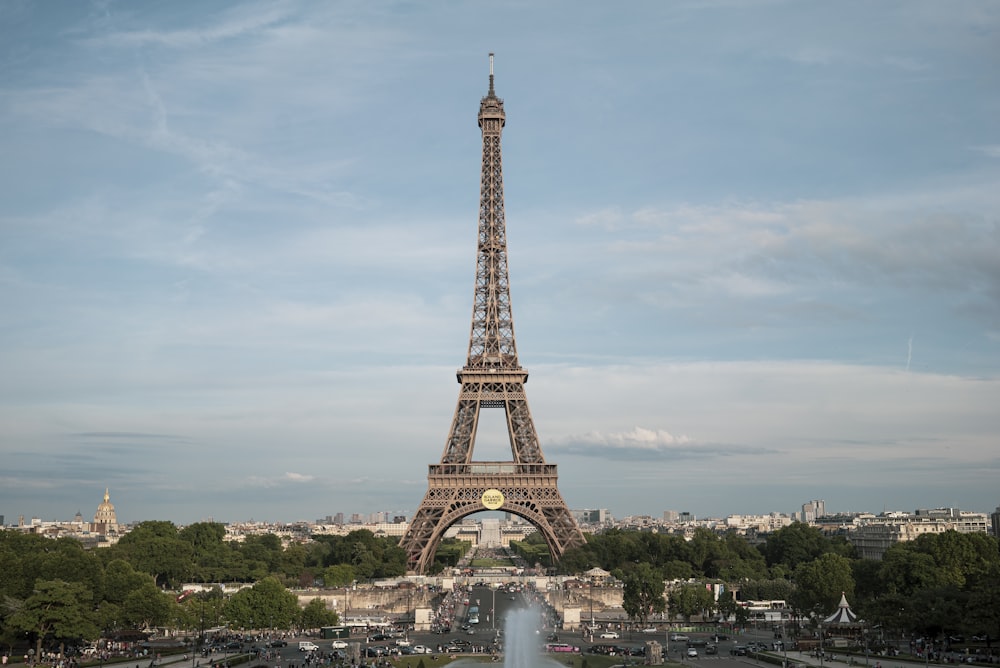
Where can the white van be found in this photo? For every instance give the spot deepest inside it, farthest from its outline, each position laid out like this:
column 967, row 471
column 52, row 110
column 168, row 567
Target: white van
column 306, row 646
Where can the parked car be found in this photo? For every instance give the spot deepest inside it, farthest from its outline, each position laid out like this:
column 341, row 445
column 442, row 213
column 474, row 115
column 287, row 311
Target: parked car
column 712, row 649
column 610, row 635
column 692, row 652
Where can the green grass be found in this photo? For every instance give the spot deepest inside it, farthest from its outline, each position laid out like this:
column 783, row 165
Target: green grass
column 491, row 563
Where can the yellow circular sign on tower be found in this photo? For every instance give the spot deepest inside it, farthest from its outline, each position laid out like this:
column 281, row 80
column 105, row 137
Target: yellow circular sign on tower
column 492, row 499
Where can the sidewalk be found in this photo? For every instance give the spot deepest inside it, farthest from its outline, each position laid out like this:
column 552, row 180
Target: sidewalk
column 834, row 660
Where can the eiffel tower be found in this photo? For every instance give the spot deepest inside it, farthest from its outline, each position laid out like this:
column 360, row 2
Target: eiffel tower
column 491, row 378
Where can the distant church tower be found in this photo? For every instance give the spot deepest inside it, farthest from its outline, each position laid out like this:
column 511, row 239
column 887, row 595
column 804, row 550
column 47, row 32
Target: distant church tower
column 105, row 521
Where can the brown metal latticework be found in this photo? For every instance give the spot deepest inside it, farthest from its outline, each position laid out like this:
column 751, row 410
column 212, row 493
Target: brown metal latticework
column 491, row 378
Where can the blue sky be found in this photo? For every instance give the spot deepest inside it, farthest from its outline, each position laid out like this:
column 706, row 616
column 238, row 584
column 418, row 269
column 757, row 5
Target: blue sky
column 754, row 252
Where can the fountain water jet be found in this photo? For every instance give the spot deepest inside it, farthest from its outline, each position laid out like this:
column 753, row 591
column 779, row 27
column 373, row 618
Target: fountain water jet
column 522, row 643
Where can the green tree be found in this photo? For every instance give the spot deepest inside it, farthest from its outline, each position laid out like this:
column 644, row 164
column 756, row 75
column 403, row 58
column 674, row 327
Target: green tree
column 983, row 612
column 904, row 570
column 155, row 548
column 339, row 575
column 120, row 579
column 65, row 559
column 958, row 556
column 58, row 611
column 265, row 605
column 821, row 582
column 147, row 607
column 316, row 615
column 730, row 609
column 691, row 599
column 643, row 593
column 794, row 544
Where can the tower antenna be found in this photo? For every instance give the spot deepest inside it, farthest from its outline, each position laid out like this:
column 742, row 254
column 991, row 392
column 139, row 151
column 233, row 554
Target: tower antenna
column 491, row 74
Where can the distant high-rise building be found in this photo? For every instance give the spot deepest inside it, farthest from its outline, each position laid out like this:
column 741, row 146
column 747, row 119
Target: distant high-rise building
column 685, row 516
column 596, row 516
column 670, row 515
column 338, row 518
column 994, row 521
column 812, row 510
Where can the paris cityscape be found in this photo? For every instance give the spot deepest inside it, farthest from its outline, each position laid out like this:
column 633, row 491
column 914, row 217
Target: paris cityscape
column 871, row 534
column 755, row 265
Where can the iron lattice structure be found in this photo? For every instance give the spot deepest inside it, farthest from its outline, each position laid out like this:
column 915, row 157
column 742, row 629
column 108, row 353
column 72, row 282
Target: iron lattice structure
column 491, row 378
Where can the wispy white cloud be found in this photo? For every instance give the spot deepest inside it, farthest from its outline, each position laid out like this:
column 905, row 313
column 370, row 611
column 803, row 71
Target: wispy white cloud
column 250, row 19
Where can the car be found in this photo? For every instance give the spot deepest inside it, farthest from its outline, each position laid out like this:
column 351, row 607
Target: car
column 278, row 643
column 712, row 649
column 678, row 637
column 421, row 649
column 692, row 652
column 610, row 635
column 338, row 644
column 651, row 629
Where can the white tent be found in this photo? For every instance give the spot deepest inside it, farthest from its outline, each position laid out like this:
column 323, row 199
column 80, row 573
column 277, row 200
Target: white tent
column 844, row 615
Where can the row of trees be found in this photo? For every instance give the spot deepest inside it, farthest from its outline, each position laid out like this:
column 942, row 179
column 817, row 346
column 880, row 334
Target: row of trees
column 200, row 553
column 938, row 584
column 56, row 591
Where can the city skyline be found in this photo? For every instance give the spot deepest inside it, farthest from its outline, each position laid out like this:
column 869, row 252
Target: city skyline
column 815, row 508
column 752, row 252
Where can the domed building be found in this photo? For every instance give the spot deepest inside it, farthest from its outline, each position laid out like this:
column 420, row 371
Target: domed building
column 105, row 521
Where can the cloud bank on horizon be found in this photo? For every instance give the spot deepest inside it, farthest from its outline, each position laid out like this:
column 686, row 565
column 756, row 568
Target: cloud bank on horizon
column 753, row 252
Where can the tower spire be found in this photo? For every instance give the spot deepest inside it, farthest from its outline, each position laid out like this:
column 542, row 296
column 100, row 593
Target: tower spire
column 491, row 94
